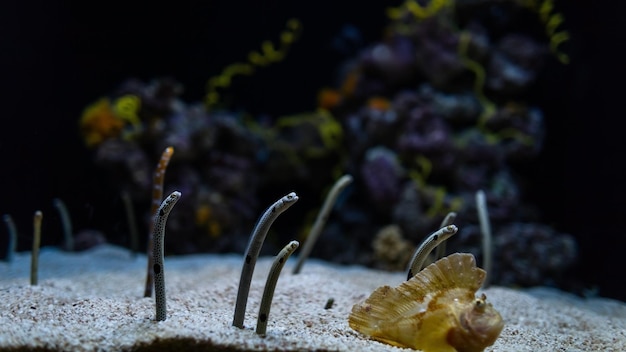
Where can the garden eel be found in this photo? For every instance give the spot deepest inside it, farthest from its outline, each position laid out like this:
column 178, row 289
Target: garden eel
column 270, row 285
column 441, row 248
column 252, row 253
column 157, row 253
column 424, row 249
column 157, row 193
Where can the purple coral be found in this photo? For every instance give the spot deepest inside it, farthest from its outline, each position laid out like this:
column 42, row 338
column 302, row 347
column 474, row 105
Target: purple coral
column 515, row 63
column 532, row 254
column 381, row 172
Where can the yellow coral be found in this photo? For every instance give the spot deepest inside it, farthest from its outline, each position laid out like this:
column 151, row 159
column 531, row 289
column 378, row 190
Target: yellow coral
column 418, row 11
column 329, row 130
column 552, row 21
column 423, row 170
column 489, row 108
column 438, row 206
column 126, row 108
column 99, row 123
column 268, row 54
column 544, row 8
column 205, row 218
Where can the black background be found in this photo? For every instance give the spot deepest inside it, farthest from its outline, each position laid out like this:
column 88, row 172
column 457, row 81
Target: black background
column 58, row 57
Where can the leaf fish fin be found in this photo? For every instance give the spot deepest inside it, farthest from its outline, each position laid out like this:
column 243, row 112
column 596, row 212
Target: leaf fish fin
column 368, row 317
column 457, row 270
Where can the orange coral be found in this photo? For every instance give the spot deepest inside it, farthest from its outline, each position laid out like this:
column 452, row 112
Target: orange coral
column 350, row 83
column 328, row 98
column 205, row 218
column 378, row 103
column 99, row 123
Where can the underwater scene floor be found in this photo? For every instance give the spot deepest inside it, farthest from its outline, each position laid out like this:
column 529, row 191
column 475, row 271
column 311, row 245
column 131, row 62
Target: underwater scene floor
column 93, row 300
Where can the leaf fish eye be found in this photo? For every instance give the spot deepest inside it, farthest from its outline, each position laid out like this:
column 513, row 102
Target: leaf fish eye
column 481, row 301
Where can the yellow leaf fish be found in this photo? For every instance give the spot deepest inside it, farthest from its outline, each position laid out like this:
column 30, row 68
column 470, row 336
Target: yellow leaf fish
column 436, row 310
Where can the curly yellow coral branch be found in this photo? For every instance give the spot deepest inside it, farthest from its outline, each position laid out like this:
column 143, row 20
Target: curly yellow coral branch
column 268, row 54
column 329, row 129
column 423, row 170
column 126, row 108
column 418, row 11
column 551, row 20
column 489, row 108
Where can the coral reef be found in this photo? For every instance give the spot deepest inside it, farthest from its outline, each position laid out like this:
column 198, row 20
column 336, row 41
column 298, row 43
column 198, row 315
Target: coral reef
column 456, row 78
column 391, row 250
column 435, row 111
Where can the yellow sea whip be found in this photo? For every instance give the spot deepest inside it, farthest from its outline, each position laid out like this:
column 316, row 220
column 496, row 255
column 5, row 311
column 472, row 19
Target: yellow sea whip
column 34, row 259
column 269, row 54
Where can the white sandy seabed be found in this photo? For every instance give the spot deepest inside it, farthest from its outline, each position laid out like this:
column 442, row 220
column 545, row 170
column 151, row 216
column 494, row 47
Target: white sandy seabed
column 92, row 301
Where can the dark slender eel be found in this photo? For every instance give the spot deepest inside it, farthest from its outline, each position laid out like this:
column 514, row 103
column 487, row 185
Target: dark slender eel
column 132, row 224
column 12, row 245
column 66, row 222
column 252, row 253
column 321, row 219
column 485, row 230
